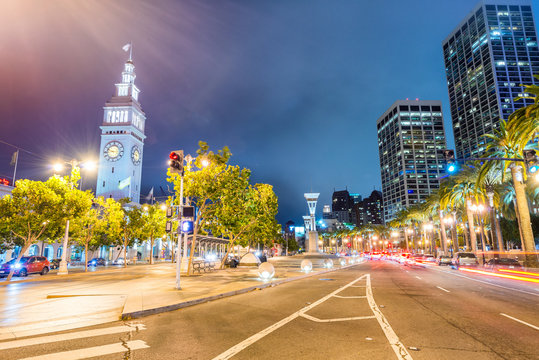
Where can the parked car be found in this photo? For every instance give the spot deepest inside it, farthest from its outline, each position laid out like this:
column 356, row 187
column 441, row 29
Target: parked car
column 27, row 265
column 503, row 263
column 97, row 262
column 443, row 260
column 464, row 259
column 55, row 263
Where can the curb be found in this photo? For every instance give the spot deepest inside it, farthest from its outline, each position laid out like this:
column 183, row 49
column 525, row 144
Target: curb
column 184, row 304
column 55, row 276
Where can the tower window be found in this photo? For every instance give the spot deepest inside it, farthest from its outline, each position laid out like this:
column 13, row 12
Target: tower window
column 103, row 183
column 133, row 172
column 113, row 169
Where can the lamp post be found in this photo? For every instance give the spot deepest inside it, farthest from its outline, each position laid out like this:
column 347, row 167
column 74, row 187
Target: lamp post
column 427, row 227
column 62, row 268
column 410, row 232
column 478, row 210
column 449, row 221
column 395, row 235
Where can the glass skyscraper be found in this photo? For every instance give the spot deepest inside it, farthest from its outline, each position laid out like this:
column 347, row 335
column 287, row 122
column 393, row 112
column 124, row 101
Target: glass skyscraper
column 487, row 57
column 411, row 140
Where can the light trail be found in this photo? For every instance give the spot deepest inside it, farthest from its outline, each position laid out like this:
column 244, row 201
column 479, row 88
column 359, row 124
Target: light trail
column 519, row 272
column 500, row 275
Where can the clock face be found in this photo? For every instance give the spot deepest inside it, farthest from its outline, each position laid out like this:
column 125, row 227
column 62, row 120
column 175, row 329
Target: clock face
column 135, row 155
column 113, row 151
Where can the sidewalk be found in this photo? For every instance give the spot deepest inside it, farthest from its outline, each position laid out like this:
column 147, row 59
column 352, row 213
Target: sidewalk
column 79, row 301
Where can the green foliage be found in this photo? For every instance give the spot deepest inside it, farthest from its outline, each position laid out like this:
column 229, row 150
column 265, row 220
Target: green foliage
column 227, row 205
column 152, row 225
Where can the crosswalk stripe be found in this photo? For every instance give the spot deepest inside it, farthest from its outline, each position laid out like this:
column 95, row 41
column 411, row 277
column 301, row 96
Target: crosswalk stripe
column 69, row 336
column 92, row 351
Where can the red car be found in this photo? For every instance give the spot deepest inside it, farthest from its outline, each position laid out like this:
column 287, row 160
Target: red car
column 27, row 265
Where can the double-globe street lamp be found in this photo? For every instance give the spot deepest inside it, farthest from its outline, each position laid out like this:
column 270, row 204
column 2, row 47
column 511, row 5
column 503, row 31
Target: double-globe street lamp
column 89, row 165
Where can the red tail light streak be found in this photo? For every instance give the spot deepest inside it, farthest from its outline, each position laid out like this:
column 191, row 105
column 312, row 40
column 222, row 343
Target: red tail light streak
column 506, row 276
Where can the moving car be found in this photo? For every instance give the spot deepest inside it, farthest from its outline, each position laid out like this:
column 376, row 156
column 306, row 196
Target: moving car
column 119, row 261
column 97, row 262
column 27, row 265
column 443, row 260
column 464, row 259
column 429, row 258
column 503, row 263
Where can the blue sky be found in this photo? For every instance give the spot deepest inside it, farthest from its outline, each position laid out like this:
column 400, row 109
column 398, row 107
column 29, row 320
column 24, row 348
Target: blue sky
column 293, row 87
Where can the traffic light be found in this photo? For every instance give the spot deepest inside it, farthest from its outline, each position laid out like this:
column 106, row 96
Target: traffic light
column 449, row 156
column 176, row 162
column 530, row 158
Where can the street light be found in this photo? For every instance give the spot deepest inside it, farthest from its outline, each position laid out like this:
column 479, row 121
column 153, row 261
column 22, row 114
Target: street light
column 62, row 268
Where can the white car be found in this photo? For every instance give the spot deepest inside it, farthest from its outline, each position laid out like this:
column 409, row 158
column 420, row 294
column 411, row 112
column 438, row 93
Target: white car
column 119, row 261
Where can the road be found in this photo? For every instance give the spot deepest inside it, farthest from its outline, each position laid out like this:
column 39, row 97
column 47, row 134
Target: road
column 375, row 310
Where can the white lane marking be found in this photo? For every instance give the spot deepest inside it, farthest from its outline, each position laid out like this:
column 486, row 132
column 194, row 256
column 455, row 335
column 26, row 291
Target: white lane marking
column 358, row 286
column 250, row 340
column 312, row 318
column 486, row 282
column 69, row 336
column 520, row 321
column 418, row 277
column 350, row 297
column 398, row 347
column 92, row 351
column 441, row 288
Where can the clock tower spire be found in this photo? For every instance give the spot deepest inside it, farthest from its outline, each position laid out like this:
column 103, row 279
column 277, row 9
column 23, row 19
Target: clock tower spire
column 122, row 140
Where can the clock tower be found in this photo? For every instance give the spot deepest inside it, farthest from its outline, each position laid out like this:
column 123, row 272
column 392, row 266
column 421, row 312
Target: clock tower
column 122, row 141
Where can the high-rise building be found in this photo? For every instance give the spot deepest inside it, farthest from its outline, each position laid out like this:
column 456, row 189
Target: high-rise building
column 122, row 141
column 341, row 205
column 487, row 57
column 373, row 208
column 411, row 140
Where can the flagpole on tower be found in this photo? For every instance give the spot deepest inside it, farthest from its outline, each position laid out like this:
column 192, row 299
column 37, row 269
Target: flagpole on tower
column 129, row 47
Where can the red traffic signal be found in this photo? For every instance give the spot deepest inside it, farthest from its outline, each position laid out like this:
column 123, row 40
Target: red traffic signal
column 176, row 162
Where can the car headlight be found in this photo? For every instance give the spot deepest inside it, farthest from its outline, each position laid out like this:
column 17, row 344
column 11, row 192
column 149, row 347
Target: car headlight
column 17, row 266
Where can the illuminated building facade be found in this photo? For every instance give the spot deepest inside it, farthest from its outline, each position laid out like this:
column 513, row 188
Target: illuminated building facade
column 122, row 141
column 487, row 56
column 411, row 139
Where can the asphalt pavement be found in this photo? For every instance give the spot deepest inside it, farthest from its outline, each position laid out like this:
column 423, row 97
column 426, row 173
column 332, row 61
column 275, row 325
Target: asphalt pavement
column 375, row 310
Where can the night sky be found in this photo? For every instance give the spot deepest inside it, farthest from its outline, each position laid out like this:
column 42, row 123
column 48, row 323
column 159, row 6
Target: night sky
column 293, row 87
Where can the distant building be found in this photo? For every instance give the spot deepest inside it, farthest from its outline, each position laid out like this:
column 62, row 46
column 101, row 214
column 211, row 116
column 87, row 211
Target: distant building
column 411, row 140
column 326, row 212
column 373, row 208
column 487, row 57
column 341, row 206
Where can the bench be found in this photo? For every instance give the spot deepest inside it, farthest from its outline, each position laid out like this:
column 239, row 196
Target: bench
column 203, row 265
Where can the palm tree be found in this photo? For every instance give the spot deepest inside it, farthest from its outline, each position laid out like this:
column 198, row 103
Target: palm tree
column 506, row 144
column 463, row 193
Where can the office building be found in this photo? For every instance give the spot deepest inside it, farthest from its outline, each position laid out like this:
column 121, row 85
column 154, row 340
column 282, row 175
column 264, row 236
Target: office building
column 411, row 140
column 487, row 57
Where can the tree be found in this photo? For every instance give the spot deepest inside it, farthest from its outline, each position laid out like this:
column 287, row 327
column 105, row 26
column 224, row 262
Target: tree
column 31, row 213
column 128, row 223
column 153, row 222
column 84, row 227
column 508, row 143
column 203, row 185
